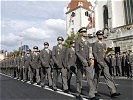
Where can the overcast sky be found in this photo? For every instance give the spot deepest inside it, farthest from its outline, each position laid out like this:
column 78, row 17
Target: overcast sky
column 32, row 22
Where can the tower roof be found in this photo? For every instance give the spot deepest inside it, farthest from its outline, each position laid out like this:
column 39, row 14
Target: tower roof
column 75, row 3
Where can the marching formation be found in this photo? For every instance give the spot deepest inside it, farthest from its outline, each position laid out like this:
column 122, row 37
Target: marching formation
column 82, row 58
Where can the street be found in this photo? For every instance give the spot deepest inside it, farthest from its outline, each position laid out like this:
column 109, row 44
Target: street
column 13, row 89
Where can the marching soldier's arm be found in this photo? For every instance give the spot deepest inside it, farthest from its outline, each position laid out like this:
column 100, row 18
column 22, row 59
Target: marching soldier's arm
column 51, row 60
column 66, row 58
column 41, row 57
column 53, row 55
column 77, row 50
column 127, row 58
column 39, row 60
column 132, row 58
column 31, row 59
column 91, row 57
column 23, row 61
column 94, row 52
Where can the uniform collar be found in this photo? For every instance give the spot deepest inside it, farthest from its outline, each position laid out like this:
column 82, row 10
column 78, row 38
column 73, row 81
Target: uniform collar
column 73, row 48
column 46, row 49
column 83, row 39
column 60, row 45
column 100, row 41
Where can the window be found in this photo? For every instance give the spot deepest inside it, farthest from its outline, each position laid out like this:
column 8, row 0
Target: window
column 72, row 22
column 72, row 30
column 73, row 14
column 128, row 5
column 86, row 13
column 80, row 4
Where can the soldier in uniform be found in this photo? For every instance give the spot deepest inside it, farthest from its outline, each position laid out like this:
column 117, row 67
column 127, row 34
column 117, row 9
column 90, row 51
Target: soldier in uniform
column 111, row 62
column 35, row 66
column 123, row 63
column 129, row 64
column 2, row 66
column 99, row 50
column 84, row 58
column 71, row 59
column 27, row 59
column 8, row 66
column 5, row 63
column 11, row 65
column 58, row 56
column 18, row 65
column 45, row 57
column 21, row 64
column 118, row 64
column 15, row 66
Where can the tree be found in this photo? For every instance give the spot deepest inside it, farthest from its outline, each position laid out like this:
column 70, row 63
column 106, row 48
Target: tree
column 70, row 38
column 16, row 52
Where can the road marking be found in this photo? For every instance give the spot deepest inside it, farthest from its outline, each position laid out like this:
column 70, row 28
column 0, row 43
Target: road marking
column 47, row 88
column 100, row 82
column 106, row 83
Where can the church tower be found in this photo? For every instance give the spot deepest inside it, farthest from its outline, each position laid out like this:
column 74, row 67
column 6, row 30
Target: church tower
column 79, row 14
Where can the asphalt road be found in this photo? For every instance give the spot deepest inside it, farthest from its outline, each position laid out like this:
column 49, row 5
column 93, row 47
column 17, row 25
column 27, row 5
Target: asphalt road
column 13, row 89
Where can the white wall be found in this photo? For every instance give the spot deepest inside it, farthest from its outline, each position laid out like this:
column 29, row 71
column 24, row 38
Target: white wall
column 118, row 17
column 84, row 18
column 80, row 20
column 76, row 19
column 99, row 14
column 116, row 11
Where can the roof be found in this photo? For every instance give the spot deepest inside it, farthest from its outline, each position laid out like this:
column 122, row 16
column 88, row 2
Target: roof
column 75, row 3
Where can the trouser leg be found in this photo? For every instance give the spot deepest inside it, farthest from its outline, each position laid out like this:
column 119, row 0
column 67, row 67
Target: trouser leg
column 79, row 80
column 109, row 80
column 38, row 75
column 55, row 78
column 64, row 78
column 48, row 70
column 91, row 82
column 43, row 74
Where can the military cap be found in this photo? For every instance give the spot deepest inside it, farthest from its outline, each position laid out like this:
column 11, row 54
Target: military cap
column 100, row 32
column 83, row 29
column 46, row 43
column 72, row 42
column 28, row 50
column 35, row 47
column 60, row 38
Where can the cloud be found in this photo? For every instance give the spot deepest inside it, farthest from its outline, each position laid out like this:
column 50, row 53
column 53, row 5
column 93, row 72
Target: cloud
column 10, row 39
column 15, row 24
column 48, row 31
column 55, row 24
column 32, row 10
column 34, row 34
column 31, row 23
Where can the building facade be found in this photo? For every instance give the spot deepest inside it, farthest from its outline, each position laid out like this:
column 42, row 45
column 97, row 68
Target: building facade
column 115, row 17
column 78, row 15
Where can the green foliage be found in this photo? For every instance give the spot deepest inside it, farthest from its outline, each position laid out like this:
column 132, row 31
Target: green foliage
column 70, row 38
column 16, row 52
